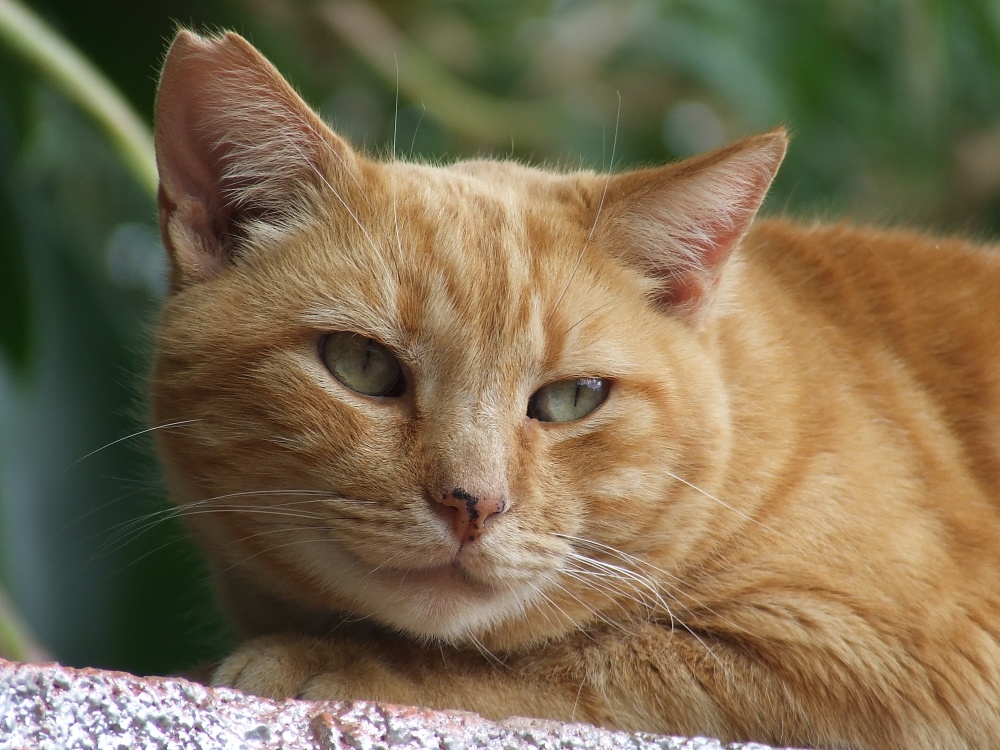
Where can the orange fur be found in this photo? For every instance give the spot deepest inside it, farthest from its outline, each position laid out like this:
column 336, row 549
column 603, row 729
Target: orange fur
column 781, row 525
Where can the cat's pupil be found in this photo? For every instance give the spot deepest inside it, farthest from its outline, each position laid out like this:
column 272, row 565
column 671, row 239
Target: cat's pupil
column 568, row 400
column 362, row 364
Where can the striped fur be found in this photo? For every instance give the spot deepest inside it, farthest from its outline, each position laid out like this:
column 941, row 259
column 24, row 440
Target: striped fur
column 782, row 525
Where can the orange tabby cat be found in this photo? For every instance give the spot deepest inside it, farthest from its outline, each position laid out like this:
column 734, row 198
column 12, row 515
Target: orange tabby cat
column 579, row 446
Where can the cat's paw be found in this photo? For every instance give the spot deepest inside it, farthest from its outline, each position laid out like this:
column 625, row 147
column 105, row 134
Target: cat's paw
column 283, row 666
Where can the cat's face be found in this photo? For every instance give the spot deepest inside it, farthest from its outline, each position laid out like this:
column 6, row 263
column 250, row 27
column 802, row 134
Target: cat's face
column 343, row 375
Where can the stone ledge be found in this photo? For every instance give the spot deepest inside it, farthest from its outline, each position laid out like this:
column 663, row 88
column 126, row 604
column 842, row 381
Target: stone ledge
column 47, row 706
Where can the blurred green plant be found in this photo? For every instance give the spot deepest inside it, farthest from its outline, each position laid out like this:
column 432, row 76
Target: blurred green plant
column 26, row 34
column 894, row 108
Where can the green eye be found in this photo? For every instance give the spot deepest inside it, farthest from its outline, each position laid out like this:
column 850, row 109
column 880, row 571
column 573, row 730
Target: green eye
column 568, row 400
column 362, row 364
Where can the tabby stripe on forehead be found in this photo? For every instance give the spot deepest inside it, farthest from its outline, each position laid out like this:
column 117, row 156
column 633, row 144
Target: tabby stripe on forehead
column 781, row 524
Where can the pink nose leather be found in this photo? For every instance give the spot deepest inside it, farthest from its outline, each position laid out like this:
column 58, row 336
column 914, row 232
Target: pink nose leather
column 469, row 513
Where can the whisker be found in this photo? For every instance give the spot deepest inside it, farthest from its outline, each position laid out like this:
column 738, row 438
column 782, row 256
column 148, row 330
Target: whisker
column 615, row 588
column 395, row 114
column 638, row 563
column 678, row 586
column 590, row 610
column 285, row 545
column 80, row 518
column 395, row 202
column 336, row 194
column 487, row 654
column 724, row 504
column 132, row 530
column 283, row 529
column 416, row 128
column 593, row 585
column 638, row 584
column 168, row 425
column 383, row 564
column 588, row 315
column 147, row 553
column 136, row 527
column 676, row 621
column 597, row 215
column 553, row 605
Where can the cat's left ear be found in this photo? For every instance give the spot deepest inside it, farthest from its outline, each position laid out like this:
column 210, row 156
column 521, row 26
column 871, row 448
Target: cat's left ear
column 680, row 223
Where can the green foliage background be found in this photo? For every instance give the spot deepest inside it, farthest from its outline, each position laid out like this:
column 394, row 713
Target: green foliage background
column 894, row 106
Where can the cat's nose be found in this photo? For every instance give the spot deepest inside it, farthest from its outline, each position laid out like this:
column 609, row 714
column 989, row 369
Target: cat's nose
column 469, row 514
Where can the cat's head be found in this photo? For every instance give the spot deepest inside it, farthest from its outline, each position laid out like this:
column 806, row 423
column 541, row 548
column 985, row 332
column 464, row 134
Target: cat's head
column 474, row 400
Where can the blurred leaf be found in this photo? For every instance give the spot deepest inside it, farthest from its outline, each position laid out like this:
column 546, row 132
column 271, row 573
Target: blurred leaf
column 27, row 34
column 17, row 643
column 15, row 323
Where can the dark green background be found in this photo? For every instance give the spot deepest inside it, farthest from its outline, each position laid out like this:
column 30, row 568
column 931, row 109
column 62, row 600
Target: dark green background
column 894, row 107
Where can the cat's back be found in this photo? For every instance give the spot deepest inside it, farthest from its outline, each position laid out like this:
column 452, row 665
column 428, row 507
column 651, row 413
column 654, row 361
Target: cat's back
column 903, row 279
column 897, row 311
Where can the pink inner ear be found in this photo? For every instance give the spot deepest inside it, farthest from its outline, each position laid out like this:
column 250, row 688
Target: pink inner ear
column 234, row 144
column 681, row 223
column 685, row 287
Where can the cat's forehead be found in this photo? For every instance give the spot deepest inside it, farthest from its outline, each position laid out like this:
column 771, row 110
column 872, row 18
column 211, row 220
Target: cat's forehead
column 503, row 227
column 489, row 223
column 475, row 188
column 469, row 259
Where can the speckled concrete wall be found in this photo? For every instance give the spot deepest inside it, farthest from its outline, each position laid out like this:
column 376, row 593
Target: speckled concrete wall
column 48, row 707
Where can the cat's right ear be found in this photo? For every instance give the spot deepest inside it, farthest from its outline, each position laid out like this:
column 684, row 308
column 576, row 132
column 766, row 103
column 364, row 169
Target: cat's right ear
column 235, row 145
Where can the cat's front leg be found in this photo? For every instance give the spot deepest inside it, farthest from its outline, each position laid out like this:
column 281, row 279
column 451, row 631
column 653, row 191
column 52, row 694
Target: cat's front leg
column 353, row 667
column 283, row 666
column 645, row 679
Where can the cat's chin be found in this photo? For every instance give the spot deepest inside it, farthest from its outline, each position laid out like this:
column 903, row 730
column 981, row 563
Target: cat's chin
column 443, row 602
column 447, row 577
column 458, row 596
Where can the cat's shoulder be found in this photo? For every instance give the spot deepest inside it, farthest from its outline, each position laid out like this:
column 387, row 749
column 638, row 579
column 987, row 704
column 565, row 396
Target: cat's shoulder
column 859, row 250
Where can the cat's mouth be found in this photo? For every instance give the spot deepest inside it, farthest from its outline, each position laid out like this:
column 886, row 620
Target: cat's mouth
column 450, row 577
column 443, row 601
column 447, row 598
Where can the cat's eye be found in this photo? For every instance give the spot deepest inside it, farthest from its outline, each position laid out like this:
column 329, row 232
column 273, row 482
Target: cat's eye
column 568, row 400
column 362, row 364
